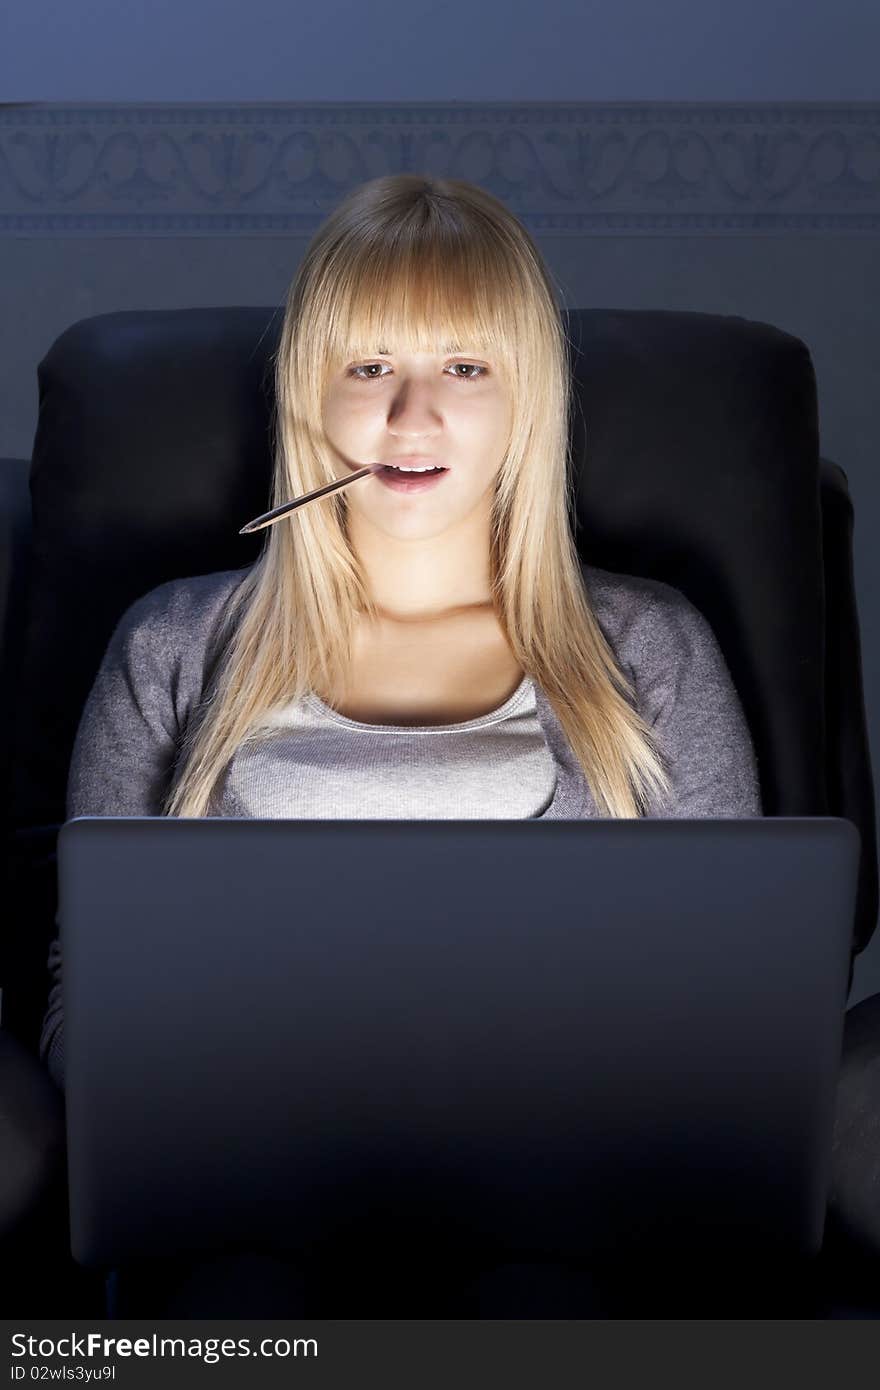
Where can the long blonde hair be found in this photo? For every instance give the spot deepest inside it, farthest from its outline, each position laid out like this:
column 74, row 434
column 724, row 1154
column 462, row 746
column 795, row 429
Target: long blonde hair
column 416, row 261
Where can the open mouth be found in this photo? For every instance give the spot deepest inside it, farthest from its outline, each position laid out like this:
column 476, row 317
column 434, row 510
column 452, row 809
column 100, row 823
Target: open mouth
column 410, row 479
column 412, row 472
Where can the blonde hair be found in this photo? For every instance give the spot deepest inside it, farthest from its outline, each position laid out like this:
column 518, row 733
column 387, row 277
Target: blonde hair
column 417, row 261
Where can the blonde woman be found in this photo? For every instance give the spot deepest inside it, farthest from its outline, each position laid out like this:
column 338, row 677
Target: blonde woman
column 430, row 645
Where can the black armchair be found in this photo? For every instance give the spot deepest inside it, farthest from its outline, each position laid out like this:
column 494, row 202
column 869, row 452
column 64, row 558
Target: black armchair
column 696, row 453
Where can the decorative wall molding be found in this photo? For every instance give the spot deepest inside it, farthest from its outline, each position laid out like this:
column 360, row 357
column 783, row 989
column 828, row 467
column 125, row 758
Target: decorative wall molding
column 650, row 168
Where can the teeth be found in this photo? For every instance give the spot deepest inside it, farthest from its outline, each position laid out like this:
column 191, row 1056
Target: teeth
column 399, row 468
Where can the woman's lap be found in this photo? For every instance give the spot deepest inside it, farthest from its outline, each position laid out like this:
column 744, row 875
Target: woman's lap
column 255, row 1284
column 250, row 1283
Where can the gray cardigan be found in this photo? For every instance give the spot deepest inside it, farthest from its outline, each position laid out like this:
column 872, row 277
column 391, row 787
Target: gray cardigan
column 154, row 669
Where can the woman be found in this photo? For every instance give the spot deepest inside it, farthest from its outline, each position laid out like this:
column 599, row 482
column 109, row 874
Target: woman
column 433, row 649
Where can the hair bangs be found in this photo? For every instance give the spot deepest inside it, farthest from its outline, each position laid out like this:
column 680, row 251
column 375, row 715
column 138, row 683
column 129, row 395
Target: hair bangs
column 423, row 304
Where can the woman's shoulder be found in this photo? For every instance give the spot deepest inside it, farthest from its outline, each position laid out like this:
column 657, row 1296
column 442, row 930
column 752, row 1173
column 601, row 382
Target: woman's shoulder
column 622, row 602
column 654, row 628
column 189, row 605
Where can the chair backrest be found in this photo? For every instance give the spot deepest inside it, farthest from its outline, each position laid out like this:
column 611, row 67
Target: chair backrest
column 696, row 453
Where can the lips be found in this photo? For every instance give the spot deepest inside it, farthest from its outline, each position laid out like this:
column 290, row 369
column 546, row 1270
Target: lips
column 399, row 481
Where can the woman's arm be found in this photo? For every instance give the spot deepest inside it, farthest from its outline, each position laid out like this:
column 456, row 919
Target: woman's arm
column 122, row 756
column 686, row 693
column 148, row 681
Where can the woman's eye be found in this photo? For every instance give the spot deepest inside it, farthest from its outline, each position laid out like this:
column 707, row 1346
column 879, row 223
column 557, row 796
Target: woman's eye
column 371, row 371
column 368, row 367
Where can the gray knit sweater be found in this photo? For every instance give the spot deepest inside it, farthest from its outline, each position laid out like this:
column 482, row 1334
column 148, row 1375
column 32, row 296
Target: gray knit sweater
column 154, row 669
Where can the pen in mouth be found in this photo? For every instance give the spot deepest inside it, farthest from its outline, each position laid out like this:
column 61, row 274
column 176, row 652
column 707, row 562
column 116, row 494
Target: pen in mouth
column 277, row 512
column 397, row 479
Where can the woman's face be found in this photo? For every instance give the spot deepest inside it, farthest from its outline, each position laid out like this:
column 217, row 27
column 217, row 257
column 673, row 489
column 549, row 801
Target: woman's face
column 451, row 409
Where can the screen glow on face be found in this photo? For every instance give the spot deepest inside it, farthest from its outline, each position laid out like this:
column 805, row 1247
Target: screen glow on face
column 450, row 409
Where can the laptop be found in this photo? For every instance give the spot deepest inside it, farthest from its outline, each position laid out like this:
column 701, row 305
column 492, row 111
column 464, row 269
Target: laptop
column 576, row 1039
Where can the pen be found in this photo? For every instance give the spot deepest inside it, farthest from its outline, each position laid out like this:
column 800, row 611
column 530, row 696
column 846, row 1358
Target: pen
column 277, row 512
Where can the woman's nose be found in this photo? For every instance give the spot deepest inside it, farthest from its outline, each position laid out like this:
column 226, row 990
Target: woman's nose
column 414, row 403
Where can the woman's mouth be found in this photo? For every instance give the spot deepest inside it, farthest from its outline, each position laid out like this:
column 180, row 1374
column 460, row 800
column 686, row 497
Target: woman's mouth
column 402, row 480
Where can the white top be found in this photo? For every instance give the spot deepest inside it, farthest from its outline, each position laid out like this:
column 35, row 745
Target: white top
column 308, row 761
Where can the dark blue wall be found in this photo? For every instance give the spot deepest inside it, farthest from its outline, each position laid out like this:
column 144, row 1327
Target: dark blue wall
column 425, row 50
column 764, row 211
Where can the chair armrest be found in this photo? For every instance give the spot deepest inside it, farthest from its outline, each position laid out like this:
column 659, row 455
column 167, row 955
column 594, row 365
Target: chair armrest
column 848, row 771
column 15, row 569
column 32, row 1136
column 15, row 558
